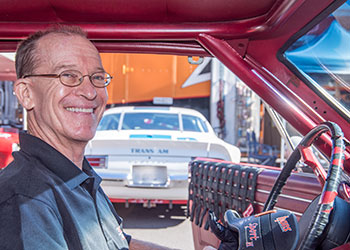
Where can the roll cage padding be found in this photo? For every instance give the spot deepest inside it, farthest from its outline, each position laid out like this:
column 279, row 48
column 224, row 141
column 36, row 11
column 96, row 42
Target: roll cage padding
column 330, row 189
column 219, row 186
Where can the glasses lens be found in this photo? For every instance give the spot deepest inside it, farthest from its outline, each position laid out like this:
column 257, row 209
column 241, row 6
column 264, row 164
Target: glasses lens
column 101, row 79
column 70, row 77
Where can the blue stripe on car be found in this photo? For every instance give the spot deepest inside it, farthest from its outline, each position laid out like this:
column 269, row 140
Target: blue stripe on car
column 150, row 136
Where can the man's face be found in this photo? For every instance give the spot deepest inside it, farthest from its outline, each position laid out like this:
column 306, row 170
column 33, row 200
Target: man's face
column 66, row 114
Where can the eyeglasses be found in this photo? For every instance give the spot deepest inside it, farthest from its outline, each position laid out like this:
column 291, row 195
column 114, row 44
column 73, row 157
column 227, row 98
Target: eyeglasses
column 72, row 78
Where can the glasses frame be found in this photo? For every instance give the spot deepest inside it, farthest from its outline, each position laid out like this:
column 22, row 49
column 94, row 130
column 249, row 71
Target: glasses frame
column 81, row 79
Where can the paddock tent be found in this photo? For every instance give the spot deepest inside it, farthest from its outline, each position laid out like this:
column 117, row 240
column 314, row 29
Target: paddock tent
column 314, row 55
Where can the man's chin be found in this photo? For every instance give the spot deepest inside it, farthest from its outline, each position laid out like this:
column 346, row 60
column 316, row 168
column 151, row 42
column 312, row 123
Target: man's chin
column 82, row 137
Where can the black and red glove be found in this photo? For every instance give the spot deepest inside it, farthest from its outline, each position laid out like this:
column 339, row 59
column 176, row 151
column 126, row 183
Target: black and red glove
column 229, row 238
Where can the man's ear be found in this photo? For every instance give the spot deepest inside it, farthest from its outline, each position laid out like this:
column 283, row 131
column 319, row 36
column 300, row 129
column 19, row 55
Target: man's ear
column 24, row 93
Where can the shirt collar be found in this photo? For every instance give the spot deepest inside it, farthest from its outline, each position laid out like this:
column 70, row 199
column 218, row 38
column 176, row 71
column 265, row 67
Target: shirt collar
column 91, row 172
column 55, row 161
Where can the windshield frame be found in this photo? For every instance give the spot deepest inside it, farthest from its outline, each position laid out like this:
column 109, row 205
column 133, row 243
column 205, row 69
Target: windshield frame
column 321, row 92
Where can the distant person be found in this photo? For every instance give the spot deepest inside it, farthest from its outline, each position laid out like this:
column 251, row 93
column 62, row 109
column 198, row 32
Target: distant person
column 50, row 197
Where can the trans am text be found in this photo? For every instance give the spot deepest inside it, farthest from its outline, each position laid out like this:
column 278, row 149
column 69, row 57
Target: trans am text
column 149, row 151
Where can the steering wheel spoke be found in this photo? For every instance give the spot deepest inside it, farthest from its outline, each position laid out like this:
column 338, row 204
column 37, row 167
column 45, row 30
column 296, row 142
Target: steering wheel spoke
column 309, row 158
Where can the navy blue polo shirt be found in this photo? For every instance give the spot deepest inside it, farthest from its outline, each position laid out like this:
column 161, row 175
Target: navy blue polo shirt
column 47, row 202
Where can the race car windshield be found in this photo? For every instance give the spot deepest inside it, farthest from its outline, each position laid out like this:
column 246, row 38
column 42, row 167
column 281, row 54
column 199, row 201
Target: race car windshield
column 158, row 121
column 163, row 121
column 323, row 57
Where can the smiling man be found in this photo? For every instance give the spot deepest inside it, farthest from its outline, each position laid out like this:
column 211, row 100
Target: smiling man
column 50, row 197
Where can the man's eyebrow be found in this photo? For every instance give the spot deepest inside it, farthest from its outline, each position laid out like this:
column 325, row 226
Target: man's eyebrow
column 73, row 66
column 64, row 66
column 100, row 69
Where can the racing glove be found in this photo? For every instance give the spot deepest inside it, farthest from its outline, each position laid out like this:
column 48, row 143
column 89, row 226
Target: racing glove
column 229, row 238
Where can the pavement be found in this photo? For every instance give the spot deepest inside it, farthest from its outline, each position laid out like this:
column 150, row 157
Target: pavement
column 160, row 225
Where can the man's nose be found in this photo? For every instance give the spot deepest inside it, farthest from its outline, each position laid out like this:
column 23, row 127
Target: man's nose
column 86, row 88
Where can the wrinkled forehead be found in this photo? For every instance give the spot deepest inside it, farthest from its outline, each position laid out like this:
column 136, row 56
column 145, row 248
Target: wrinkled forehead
column 60, row 49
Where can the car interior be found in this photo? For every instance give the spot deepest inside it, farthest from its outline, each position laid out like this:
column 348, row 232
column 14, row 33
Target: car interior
column 259, row 42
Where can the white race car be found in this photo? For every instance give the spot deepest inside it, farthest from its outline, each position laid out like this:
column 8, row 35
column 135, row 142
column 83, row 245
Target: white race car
column 142, row 153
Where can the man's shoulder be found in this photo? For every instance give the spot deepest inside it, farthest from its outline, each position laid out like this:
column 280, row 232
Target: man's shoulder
column 22, row 177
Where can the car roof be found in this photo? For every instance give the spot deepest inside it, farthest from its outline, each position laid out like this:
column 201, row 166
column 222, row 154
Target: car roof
column 162, row 26
column 149, row 109
column 133, row 11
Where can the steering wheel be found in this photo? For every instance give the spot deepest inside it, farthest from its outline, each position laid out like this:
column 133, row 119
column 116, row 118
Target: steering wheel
column 320, row 218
